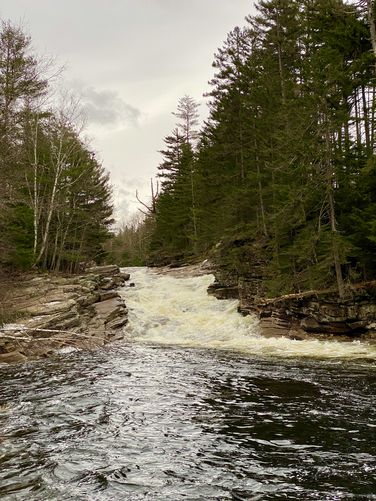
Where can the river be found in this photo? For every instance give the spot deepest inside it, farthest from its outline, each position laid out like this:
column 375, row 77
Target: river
column 193, row 405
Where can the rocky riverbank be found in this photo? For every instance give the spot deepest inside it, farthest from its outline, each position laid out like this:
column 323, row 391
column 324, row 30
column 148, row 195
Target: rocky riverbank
column 56, row 312
column 320, row 314
column 312, row 314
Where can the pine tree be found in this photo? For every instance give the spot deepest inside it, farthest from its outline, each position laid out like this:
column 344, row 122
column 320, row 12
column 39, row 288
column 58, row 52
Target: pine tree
column 288, row 148
column 21, row 85
column 176, row 222
column 55, row 198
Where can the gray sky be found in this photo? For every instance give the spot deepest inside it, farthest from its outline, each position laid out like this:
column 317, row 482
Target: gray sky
column 130, row 61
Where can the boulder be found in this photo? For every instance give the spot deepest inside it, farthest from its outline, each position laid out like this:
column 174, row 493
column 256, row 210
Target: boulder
column 124, row 276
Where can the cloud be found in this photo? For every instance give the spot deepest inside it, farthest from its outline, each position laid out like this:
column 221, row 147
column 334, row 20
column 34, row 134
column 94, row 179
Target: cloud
column 106, row 107
column 133, row 182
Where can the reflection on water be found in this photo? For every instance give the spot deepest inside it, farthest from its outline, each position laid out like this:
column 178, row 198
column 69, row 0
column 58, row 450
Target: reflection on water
column 144, row 421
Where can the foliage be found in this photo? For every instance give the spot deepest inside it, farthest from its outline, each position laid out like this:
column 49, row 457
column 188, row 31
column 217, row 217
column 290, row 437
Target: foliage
column 55, row 197
column 286, row 157
column 130, row 245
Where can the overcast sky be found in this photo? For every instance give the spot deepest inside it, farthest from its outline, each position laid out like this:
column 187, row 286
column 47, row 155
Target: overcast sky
column 130, row 61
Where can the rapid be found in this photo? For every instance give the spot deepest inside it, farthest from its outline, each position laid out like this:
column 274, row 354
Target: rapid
column 194, row 404
column 177, row 311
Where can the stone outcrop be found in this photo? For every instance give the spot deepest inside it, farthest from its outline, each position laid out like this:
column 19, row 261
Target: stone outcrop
column 298, row 316
column 55, row 311
column 187, row 270
column 221, row 291
column 321, row 314
column 243, row 280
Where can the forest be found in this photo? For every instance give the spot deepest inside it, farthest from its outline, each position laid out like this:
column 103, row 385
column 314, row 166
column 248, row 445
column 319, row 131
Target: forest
column 55, row 197
column 283, row 172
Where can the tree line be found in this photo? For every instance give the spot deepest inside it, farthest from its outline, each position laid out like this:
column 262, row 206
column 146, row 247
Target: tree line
column 283, row 172
column 55, row 196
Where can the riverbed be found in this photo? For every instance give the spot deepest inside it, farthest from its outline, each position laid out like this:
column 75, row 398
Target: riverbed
column 193, row 405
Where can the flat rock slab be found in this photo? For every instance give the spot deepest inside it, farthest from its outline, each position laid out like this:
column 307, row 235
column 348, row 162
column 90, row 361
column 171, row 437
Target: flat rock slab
column 110, row 309
column 109, row 270
column 50, row 307
column 53, row 311
column 105, row 296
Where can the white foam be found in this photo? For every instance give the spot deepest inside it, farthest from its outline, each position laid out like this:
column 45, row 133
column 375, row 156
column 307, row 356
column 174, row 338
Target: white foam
column 178, row 311
column 67, row 349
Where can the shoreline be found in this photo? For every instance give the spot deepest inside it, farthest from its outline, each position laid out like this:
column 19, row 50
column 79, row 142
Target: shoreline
column 304, row 316
column 58, row 311
column 87, row 311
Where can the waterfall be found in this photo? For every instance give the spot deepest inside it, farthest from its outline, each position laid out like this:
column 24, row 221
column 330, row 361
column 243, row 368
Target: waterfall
column 167, row 310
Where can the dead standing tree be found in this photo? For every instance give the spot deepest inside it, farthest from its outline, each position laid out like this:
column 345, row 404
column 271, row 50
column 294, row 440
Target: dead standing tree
column 152, row 208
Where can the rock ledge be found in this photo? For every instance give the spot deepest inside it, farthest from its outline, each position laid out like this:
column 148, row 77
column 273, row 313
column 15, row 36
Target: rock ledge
column 311, row 314
column 84, row 311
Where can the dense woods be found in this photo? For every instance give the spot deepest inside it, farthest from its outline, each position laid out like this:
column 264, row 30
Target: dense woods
column 55, row 197
column 283, row 172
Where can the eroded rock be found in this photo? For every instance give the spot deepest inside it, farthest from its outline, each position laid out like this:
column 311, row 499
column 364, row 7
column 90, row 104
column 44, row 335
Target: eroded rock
column 81, row 311
column 310, row 314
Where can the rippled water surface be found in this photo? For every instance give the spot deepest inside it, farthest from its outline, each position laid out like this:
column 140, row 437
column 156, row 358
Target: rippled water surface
column 175, row 414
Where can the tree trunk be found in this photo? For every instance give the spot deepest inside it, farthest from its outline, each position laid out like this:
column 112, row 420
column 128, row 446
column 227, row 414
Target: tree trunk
column 332, row 218
column 48, row 222
column 261, row 198
column 35, row 187
column 371, row 23
column 280, row 65
column 194, row 221
column 365, row 120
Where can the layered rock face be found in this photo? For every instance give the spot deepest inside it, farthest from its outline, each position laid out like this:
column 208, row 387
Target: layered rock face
column 83, row 311
column 321, row 314
column 243, row 281
column 298, row 316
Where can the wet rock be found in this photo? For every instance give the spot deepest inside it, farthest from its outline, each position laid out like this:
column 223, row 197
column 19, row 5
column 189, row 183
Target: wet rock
column 124, row 276
column 213, row 287
column 309, row 324
column 224, row 292
column 104, row 296
column 118, row 281
column 104, row 271
column 188, row 270
column 117, row 323
column 323, row 314
column 309, row 314
column 110, row 309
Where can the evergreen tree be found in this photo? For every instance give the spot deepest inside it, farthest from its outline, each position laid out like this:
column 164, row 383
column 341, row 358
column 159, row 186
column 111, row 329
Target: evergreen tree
column 287, row 149
column 21, row 85
column 176, row 223
column 55, row 198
